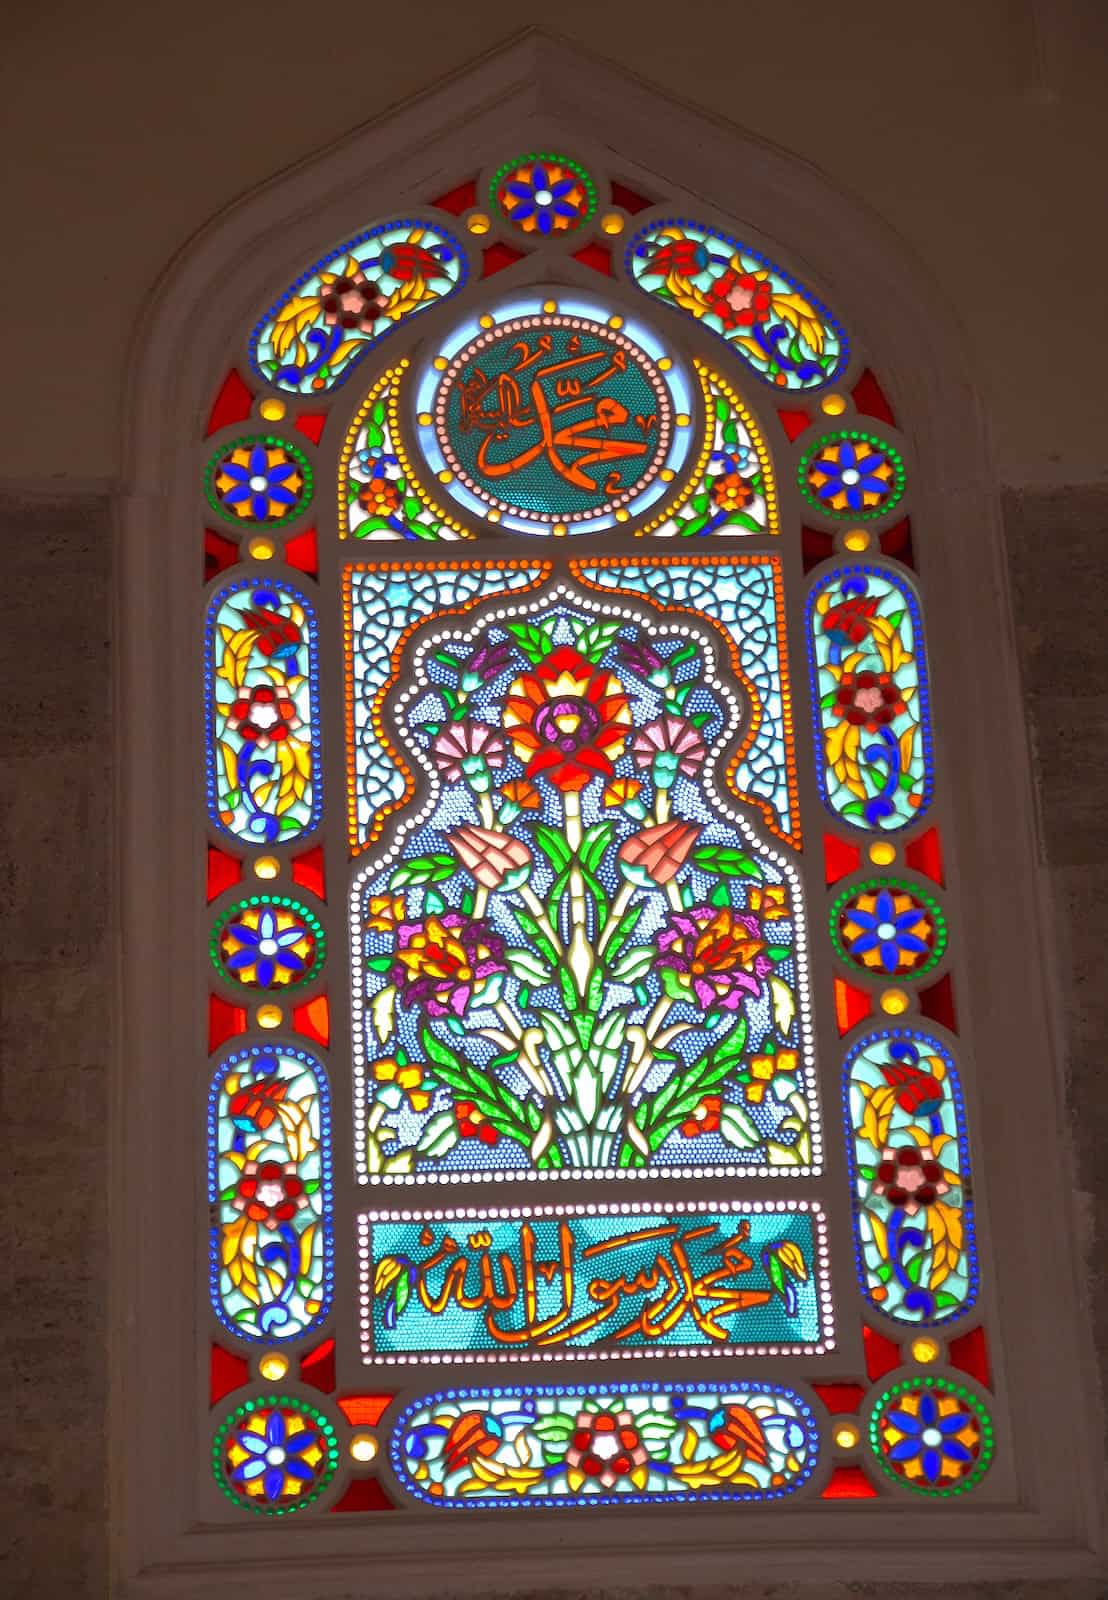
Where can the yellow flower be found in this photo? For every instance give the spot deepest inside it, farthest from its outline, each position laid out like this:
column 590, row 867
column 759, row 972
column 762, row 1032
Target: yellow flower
column 770, row 901
column 385, row 912
column 408, row 1080
column 763, row 1069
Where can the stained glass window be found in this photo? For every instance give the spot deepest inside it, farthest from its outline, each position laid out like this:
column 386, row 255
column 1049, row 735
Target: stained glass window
column 580, row 970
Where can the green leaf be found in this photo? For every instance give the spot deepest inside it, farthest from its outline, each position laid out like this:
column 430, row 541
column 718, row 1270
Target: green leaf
column 530, row 928
column 593, row 845
column 403, row 1292
column 719, row 896
column 536, row 643
column 673, row 986
column 623, row 930
column 737, row 1128
column 372, row 525
column 439, row 1136
column 596, row 639
column 423, row 869
column 744, row 520
column 526, row 966
column 778, row 952
column 553, row 846
column 726, row 861
column 379, row 963
column 633, row 964
column 433, row 902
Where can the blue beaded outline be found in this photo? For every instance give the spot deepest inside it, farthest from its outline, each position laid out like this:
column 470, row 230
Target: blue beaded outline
column 216, row 602
column 764, row 261
column 837, row 575
column 918, row 1036
column 327, row 1215
column 324, row 264
column 805, row 1417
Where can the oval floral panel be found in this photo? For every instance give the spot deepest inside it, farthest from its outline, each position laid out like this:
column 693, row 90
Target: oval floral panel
column 261, row 688
column 765, row 316
column 269, row 1175
column 909, row 1168
column 332, row 316
column 613, row 1444
column 870, row 698
column 554, row 416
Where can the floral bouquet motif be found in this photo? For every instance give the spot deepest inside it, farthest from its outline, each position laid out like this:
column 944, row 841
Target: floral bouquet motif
column 579, row 961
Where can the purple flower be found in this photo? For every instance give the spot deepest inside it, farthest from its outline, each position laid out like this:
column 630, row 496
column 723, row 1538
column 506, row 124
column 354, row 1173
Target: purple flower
column 442, row 960
column 487, row 662
column 716, row 952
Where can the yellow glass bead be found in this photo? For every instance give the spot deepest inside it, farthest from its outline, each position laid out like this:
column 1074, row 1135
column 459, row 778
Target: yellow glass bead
column 615, row 322
column 269, row 1016
column 261, row 548
column 856, row 539
column 612, row 222
column 424, row 419
column 846, row 1435
column 272, row 410
column 478, row 222
column 882, row 854
column 486, row 322
column 550, row 306
column 363, row 1447
column 925, row 1351
column 273, row 1367
column 894, row 1002
column 267, row 867
column 833, row 405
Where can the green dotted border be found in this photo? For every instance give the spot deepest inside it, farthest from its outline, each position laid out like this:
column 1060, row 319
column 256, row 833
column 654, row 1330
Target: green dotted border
column 248, row 522
column 269, row 1403
column 853, row 516
column 988, row 1446
column 941, row 937
column 543, row 155
column 289, row 904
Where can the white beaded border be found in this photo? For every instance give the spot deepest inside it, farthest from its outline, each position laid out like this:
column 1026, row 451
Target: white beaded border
column 553, row 319
column 544, row 600
column 366, row 1219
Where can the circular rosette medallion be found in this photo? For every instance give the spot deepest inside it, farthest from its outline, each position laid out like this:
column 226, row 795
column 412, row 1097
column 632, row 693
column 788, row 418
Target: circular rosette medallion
column 554, row 418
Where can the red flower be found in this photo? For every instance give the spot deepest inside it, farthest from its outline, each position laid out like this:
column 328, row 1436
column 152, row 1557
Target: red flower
column 270, row 1193
column 407, row 261
column 705, row 1117
column 606, row 1446
column 730, row 492
column 379, row 497
column 263, row 715
column 868, row 700
column 472, row 1123
column 567, row 720
column 254, row 1108
column 353, row 302
column 740, row 300
column 683, row 258
column 849, row 623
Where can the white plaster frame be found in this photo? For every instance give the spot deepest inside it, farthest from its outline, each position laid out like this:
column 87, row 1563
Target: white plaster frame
column 532, row 91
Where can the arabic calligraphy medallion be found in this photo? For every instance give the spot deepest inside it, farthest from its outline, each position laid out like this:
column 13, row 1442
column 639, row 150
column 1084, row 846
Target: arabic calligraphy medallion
column 555, row 421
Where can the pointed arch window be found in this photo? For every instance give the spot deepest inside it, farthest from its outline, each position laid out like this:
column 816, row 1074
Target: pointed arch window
column 591, row 1114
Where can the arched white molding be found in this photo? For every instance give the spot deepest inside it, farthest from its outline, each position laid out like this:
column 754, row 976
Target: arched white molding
column 1047, row 1522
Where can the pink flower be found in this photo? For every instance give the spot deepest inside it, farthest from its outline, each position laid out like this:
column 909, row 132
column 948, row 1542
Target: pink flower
column 654, row 855
column 470, row 750
column 667, row 747
column 495, row 859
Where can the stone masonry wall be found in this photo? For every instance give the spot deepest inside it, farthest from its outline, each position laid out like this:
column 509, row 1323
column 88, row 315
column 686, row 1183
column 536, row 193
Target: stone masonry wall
column 56, row 990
